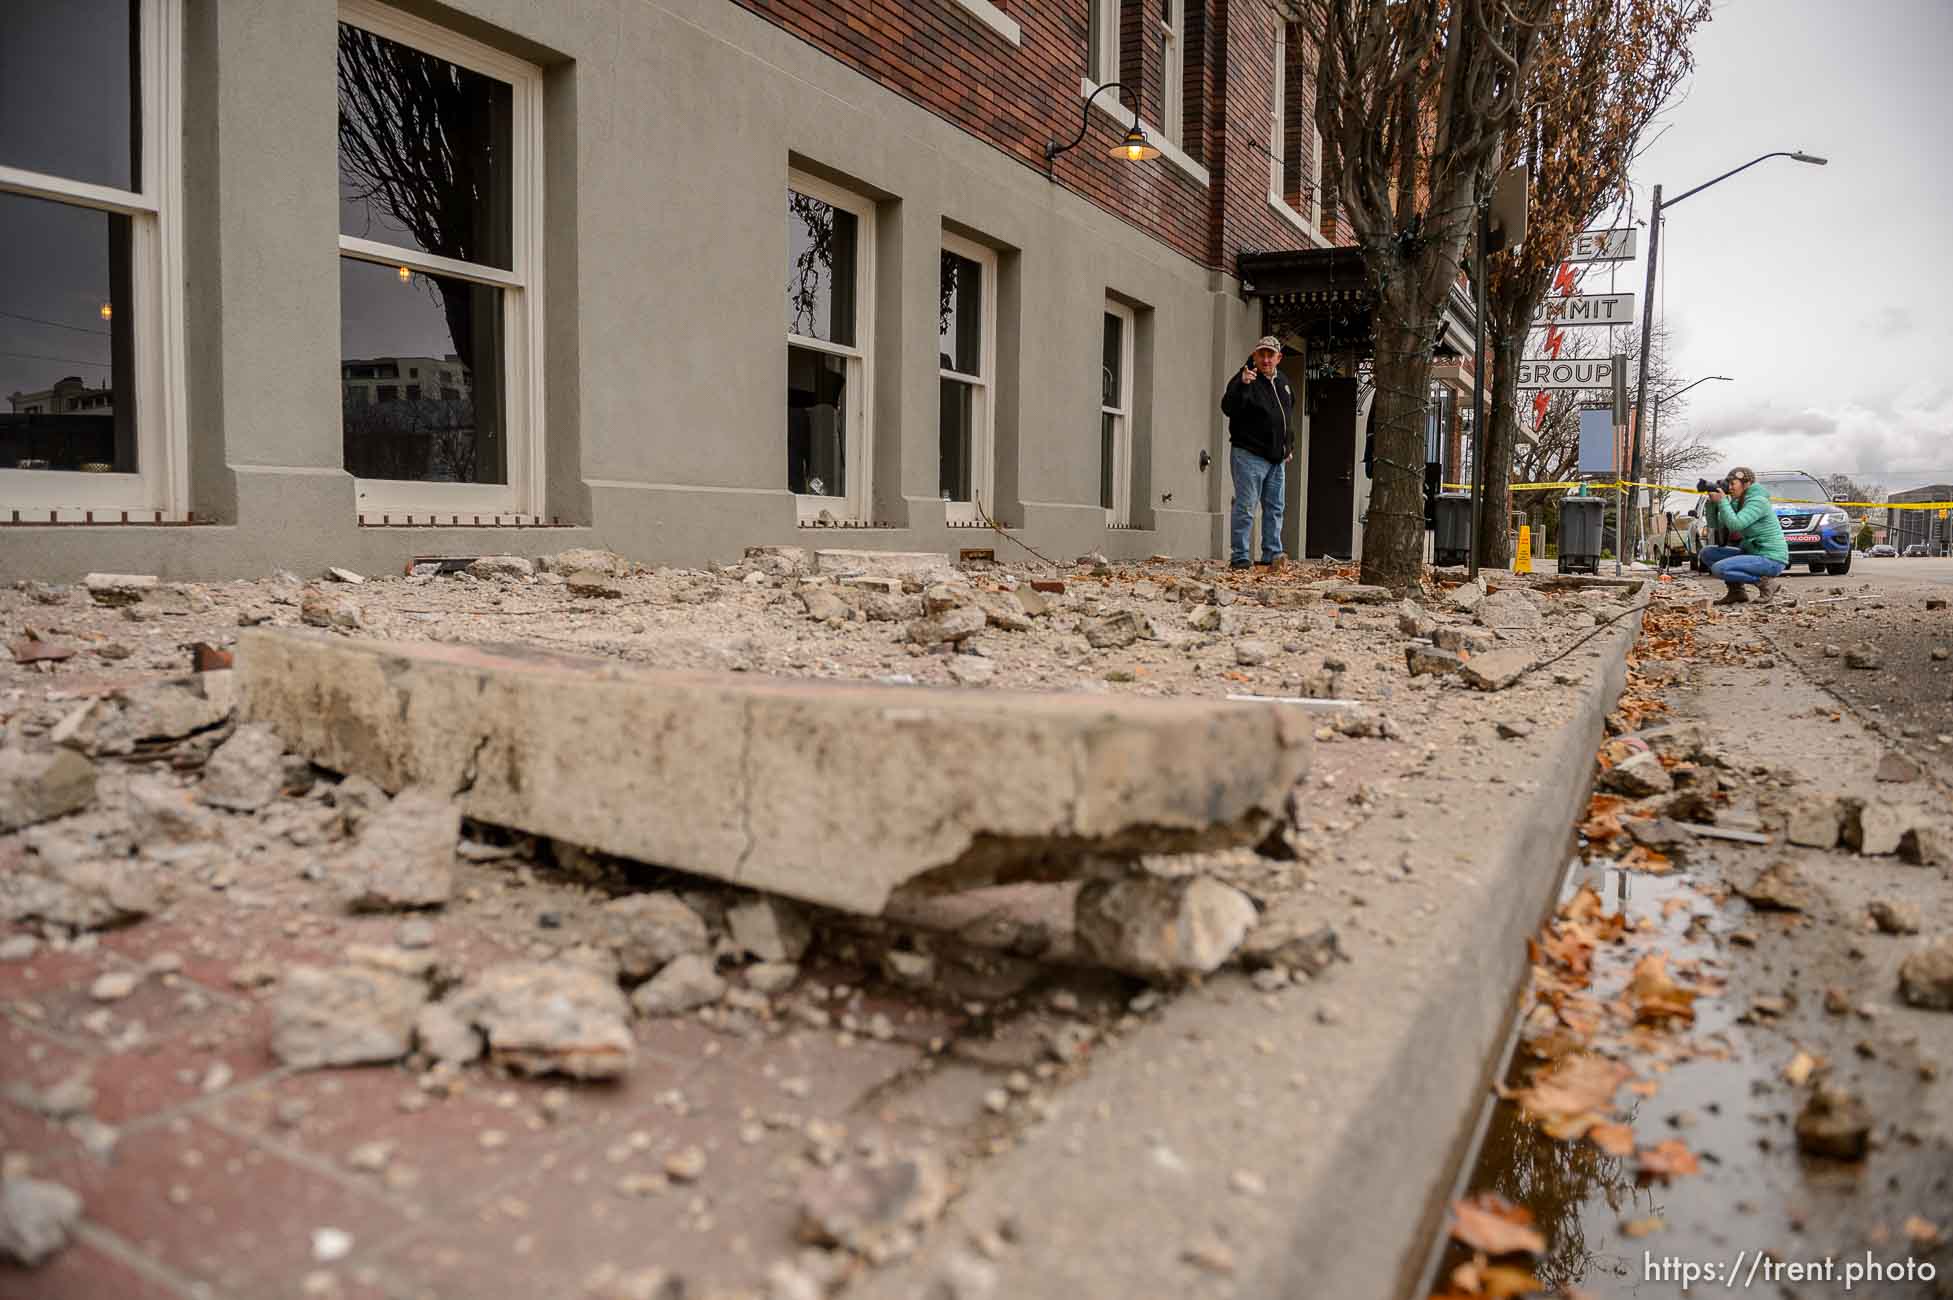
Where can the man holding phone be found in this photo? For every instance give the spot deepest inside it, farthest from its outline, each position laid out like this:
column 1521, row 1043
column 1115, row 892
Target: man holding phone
column 1258, row 403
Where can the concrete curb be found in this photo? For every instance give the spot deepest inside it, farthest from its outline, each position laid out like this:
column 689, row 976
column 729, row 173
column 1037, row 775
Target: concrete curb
column 1355, row 1101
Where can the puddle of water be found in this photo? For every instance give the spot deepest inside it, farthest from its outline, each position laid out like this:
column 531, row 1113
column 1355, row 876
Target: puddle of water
column 1746, row 1198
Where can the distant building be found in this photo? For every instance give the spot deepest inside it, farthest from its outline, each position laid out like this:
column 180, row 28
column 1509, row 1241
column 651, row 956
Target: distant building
column 404, row 379
column 69, row 396
column 1911, row 527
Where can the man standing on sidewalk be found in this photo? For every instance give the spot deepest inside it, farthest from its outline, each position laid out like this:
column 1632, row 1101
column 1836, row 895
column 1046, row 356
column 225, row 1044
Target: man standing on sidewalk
column 1745, row 514
column 1258, row 403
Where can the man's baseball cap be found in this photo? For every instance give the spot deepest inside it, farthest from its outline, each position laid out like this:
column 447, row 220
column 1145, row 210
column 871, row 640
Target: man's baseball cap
column 1269, row 343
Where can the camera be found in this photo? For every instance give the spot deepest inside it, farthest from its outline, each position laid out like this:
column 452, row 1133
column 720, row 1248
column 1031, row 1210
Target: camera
column 1718, row 485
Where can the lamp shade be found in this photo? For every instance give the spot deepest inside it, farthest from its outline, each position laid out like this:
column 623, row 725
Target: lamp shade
column 1135, row 147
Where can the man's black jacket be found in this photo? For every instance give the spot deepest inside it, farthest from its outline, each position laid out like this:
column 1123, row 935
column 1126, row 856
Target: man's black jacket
column 1257, row 415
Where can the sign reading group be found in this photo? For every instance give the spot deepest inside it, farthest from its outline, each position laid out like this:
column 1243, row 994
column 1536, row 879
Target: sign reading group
column 1577, row 372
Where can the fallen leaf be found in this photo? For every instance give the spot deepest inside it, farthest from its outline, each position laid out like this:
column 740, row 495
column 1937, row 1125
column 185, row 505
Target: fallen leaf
column 1490, row 1223
column 205, row 657
column 1644, row 1087
column 1643, row 858
column 1502, row 1281
column 1654, row 996
column 1569, row 1128
column 1467, row 1278
column 1668, row 1159
column 1573, row 1085
column 1585, row 905
column 1921, row 1231
column 1642, row 1227
column 1612, row 1139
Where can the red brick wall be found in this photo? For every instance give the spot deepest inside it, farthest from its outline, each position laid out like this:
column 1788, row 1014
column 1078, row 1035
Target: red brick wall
column 938, row 55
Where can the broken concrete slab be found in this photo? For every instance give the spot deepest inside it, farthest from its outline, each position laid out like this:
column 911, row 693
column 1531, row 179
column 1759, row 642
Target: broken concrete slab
column 540, row 1019
column 1115, row 631
column 1815, row 822
column 153, row 715
column 246, row 771
column 1497, row 670
column 956, row 624
column 83, row 895
column 924, row 566
column 1926, row 846
column 405, row 854
column 1471, row 640
column 114, row 589
column 1424, row 660
column 1638, row 776
column 39, row 784
column 1874, row 827
column 1926, row 977
column 350, row 1015
column 943, row 789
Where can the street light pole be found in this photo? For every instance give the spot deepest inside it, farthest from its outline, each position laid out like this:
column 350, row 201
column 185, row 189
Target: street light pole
column 1648, row 319
column 1654, row 428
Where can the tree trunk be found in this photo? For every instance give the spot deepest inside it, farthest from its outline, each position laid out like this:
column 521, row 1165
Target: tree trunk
column 1393, row 538
column 1501, row 437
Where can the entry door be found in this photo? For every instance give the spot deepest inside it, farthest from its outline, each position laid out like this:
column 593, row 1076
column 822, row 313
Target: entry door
column 1332, row 466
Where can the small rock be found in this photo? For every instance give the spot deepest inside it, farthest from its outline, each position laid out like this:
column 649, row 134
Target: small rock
column 1896, row 768
column 18, row 947
column 113, row 986
column 1162, row 928
column 246, row 772
column 37, row 785
column 1358, row 594
column 350, row 1015
column 1467, row 597
column 344, row 575
column 1834, row 1124
column 771, row 929
column 957, row 624
column 1496, row 670
column 404, row 857
column 1815, row 822
column 415, row 934
column 772, row 977
column 1424, row 660
column 1252, row 654
column 1873, row 827
column 1207, row 618
column 1508, row 611
column 1292, row 941
column 685, row 1166
column 317, row 609
column 1779, row 887
column 1115, row 631
column 969, row 670
column 1926, row 846
column 1209, row 1252
column 1640, row 776
column 1926, row 977
column 1863, row 657
column 581, row 559
column 1470, row 640
column 649, row 931
column 822, row 604
column 1515, row 730
column 593, row 584
column 329, row 1245
column 502, row 566
column 686, row 983
column 910, row 970
column 1895, row 917
column 35, row 1218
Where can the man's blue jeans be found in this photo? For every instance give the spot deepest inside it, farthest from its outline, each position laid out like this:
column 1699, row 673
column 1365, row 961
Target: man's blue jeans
column 1255, row 480
column 1731, row 565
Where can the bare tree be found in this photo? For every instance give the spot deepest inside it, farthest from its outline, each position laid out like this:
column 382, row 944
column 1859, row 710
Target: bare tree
column 1414, row 100
column 1605, row 69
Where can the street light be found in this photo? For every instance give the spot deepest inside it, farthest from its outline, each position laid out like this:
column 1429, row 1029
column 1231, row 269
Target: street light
column 1654, row 423
column 1648, row 300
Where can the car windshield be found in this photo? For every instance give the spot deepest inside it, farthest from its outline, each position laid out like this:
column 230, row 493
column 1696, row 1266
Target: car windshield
column 1797, row 488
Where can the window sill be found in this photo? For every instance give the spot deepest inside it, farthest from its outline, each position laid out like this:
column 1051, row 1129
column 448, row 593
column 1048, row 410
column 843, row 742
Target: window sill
column 1125, row 118
column 995, row 19
column 1296, row 219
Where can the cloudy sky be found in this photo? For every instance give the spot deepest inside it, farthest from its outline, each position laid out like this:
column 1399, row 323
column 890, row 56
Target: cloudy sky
column 1824, row 292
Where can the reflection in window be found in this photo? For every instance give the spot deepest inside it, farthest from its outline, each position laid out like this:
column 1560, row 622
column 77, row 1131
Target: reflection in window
column 959, row 347
column 424, row 151
column 388, row 328
column 820, row 270
column 958, row 439
column 817, row 422
column 67, row 359
column 68, row 80
column 959, row 316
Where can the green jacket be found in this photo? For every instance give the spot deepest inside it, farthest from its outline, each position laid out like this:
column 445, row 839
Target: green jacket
column 1754, row 525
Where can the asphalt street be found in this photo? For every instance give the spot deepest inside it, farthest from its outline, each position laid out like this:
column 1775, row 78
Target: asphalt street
column 1880, row 607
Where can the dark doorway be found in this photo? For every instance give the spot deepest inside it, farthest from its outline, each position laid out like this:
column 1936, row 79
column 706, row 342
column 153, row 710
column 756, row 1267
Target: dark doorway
column 1332, row 466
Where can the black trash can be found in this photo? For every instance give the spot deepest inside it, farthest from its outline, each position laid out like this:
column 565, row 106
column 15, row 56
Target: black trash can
column 1453, row 543
column 1580, row 528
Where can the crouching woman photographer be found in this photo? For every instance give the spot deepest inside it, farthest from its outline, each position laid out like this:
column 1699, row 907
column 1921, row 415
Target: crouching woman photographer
column 1742, row 510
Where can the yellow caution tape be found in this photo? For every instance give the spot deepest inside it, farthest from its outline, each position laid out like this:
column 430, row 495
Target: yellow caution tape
column 1619, row 484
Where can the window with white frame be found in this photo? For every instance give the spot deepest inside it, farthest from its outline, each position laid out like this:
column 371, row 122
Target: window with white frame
column 1315, row 174
column 1173, row 64
column 966, row 332
column 440, row 267
column 91, row 392
column 1115, row 416
column 830, row 297
column 1102, row 56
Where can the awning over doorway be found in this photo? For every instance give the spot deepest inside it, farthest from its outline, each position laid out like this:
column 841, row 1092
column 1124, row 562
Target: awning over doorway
column 1323, row 296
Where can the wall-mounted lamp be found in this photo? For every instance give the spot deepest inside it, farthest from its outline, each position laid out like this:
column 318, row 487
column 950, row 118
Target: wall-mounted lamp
column 108, row 311
column 406, row 276
column 1135, row 147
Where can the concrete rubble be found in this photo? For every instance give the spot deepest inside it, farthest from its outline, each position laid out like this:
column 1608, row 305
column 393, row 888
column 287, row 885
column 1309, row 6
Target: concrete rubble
column 36, row 1218
column 38, row 785
column 348, row 1015
column 404, row 856
column 541, row 1019
column 1162, row 928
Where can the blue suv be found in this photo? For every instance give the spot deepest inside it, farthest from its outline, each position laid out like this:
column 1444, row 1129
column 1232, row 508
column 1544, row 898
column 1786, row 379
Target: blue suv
column 1817, row 532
